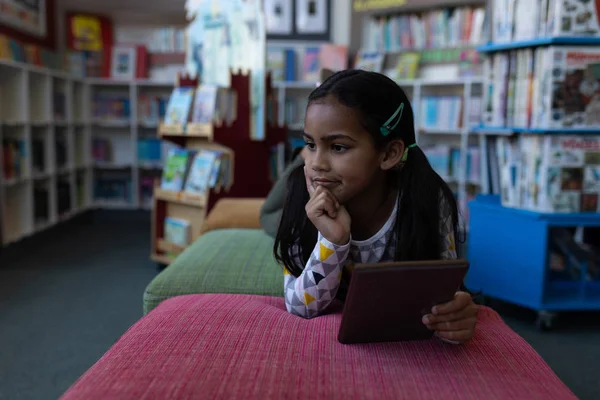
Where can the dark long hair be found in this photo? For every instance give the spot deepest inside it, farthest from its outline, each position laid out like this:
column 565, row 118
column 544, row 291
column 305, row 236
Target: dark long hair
column 425, row 199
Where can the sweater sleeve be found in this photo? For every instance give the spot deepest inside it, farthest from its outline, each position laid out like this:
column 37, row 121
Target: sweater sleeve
column 449, row 246
column 447, row 233
column 315, row 289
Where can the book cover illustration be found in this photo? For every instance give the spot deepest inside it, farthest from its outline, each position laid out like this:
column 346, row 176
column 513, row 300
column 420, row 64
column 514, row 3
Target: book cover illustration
column 175, row 169
column 369, row 61
column 177, row 231
column 204, row 104
column 569, row 88
column 178, row 108
column 408, row 65
column 276, row 64
column 333, row 57
column 198, row 180
column 557, row 174
column 310, row 70
column 575, row 18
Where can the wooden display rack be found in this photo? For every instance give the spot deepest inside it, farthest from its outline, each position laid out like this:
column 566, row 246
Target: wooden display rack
column 183, row 205
column 233, row 136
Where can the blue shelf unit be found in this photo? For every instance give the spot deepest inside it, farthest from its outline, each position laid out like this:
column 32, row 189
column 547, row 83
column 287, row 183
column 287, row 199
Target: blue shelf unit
column 564, row 41
column 509, row 257
column 494, row 130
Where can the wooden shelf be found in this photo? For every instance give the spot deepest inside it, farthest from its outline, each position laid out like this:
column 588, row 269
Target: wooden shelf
column 168, row 247
column 186, row 198
column 161, row 259
column 192, row 131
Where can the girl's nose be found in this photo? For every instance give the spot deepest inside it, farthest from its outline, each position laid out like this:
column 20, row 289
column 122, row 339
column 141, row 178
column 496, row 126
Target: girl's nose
column 320, row 161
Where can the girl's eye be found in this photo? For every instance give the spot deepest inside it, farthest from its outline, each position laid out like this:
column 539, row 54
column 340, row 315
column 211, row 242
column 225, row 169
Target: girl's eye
column 310, row 145
column 338, row 148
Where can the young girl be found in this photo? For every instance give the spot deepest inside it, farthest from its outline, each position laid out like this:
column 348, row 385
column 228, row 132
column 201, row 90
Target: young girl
column 366, row 194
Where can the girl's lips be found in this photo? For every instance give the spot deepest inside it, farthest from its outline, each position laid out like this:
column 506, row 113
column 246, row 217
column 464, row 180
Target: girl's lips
column 324, row 182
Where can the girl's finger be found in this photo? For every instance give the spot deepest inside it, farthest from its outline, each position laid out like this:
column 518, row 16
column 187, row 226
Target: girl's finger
column 460, row 301
column 469, row 311
column 448, row 326
column 322, row 203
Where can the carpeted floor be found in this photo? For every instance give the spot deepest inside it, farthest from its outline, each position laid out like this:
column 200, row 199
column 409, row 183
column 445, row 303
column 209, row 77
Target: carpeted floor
column 68, row 294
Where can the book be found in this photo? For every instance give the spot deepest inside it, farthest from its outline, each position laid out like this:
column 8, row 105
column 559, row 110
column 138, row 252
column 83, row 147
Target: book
column 276, row 59
column 553, row 174
column 175, row 169
column 369, row 61
column 310, row 65
column 408, row 64
column 177, row 231
column 451, row 27
column 517, row 20
column 333, row 57
column 204, row 104
column 201, row 172
column 178, row 108
column 441, row 112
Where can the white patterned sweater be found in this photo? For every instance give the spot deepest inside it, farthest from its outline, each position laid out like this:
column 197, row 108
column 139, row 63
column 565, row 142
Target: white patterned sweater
column 316, row 288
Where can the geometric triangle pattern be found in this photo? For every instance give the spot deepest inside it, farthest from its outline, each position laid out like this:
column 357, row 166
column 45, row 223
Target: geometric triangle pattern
column 327, row 273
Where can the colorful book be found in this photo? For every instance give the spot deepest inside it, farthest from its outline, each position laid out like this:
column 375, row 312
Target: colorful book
column 201, row 171
column 333, row 57
column 310, row 71
column 204, row 104
column 177, row 231
column 178, row 108
column 175, row 169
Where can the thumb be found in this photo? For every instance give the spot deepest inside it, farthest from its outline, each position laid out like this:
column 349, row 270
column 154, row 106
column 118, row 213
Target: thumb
column 309, row 185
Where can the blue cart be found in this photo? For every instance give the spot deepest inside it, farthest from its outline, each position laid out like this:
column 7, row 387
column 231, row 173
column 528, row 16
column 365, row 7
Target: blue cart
column 509, row 254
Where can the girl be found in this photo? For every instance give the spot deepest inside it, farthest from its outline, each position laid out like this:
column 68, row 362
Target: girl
column 366, row 194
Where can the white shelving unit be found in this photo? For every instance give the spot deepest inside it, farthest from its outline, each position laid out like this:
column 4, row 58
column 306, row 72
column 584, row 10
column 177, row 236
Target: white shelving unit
column 291, row 89
column 46, row 176
column 123, row 135
column 462, row 137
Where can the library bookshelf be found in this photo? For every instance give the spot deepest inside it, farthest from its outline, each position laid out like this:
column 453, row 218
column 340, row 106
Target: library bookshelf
column 447, row 89
column 120, row 122
column 45, row 135
column 51, row 168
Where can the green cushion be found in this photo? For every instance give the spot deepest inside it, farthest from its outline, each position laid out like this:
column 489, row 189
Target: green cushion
column 238, row 261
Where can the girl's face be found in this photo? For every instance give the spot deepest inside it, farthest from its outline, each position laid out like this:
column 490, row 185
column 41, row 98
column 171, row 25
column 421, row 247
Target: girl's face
column 340, row 154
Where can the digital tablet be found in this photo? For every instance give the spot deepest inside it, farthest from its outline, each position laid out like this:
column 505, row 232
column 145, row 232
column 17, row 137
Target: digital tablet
column 387, row 301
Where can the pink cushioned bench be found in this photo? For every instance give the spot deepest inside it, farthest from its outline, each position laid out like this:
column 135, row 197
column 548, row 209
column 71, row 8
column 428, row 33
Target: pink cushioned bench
column 249, row 347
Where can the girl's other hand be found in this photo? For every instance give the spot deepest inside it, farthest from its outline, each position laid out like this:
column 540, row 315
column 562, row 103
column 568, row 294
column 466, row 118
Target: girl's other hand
column 454, row 321
column 327, row 214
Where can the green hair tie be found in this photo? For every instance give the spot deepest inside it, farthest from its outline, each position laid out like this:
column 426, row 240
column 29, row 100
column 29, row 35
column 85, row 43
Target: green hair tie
column 405, row 154
column 388, row 127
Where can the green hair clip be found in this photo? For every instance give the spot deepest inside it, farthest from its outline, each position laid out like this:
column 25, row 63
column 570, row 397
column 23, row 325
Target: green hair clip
column 405, row 154
column 388, row 127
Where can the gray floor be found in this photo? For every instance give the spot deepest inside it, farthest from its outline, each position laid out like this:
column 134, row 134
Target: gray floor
column 68, row 294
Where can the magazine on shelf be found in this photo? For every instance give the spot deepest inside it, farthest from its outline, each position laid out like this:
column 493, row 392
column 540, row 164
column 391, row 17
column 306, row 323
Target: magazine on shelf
column 544, row 88
column 554, row 174
column 516, row 20
column 570, row 88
